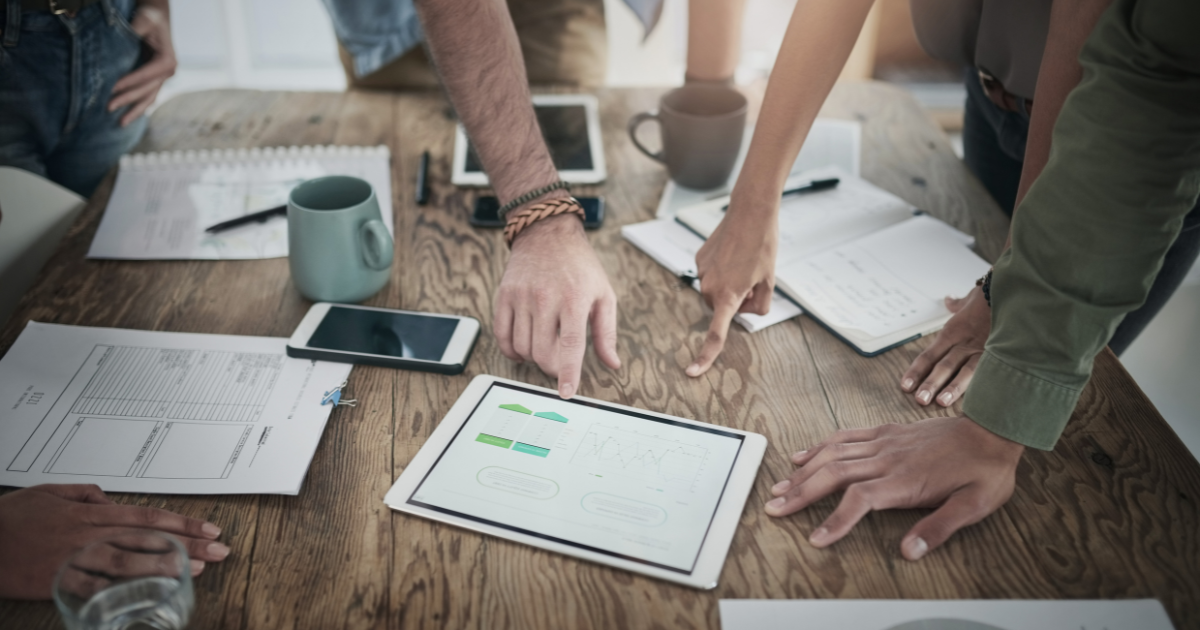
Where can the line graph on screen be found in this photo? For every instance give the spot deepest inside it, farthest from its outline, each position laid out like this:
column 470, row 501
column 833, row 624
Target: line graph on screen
column 640, row 456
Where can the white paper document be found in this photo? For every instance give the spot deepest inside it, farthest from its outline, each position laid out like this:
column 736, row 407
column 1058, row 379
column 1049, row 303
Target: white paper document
column 162, row 202
column 830, row 142
column 886, row 281
column 990, row 614
column 674, row 246
column 176, row 413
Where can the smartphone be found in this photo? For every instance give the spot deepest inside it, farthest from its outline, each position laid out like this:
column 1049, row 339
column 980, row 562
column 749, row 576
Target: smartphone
column 380, row 336
column 487, row 211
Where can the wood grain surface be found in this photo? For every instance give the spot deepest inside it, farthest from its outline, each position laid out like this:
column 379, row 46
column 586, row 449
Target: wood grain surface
column 1110, row 513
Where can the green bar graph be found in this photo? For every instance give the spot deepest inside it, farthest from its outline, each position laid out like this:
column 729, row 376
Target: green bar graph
column 494, row 441
column 532, row 450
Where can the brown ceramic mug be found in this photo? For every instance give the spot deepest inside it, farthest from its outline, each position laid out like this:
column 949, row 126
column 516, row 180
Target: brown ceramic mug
column 701, row 128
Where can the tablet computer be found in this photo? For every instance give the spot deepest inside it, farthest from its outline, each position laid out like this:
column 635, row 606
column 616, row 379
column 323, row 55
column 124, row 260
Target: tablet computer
column 571, row 127
column 637, row 490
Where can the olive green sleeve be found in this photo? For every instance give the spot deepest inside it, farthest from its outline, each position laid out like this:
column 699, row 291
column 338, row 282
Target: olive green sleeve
column 1090, row 236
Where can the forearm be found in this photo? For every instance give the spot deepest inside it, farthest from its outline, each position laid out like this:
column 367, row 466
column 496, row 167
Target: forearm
column 475, row 49
column 1071, row 21
column 1091, row 234
column 161, row 5
column 818, row 41
column 714, row 38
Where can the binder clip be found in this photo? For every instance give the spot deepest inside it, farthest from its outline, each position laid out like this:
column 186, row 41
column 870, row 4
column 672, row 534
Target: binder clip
column 334, row 397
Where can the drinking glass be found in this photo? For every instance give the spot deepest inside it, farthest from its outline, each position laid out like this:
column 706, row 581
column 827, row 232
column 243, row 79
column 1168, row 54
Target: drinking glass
column 140, row 580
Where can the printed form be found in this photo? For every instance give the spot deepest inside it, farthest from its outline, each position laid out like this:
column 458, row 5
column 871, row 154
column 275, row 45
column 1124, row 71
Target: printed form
column 176, row 413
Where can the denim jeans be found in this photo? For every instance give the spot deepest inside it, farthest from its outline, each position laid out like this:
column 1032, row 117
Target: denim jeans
column 994, row 150
column 56, row 79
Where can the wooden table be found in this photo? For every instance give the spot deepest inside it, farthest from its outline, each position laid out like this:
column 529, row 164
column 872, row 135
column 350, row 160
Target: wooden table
column 1111, row 513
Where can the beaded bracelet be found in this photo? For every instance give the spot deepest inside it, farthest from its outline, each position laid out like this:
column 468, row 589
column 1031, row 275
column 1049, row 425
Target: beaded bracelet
column 530, row 196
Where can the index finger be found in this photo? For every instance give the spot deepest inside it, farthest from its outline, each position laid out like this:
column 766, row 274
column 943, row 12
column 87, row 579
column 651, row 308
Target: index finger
column 572, row 342
column 718, row 330
column 115, row 515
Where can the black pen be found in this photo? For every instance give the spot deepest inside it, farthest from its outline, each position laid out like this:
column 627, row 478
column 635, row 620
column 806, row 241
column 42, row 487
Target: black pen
column 423, row 179
column 813, row 186
column 253, row 217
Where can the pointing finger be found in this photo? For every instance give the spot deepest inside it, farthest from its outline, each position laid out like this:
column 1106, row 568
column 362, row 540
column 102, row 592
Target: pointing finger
column 714, row 341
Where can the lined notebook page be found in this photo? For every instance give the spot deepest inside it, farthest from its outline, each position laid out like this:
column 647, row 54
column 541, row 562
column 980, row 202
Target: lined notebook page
column 162, row 202
column 889, row 281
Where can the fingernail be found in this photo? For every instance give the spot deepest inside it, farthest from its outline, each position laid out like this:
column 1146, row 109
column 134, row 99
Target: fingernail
column 217, row 550
column 775, row 504
column 915, row 548
column 923, row 397
column 210, row 530
column 693, row 370
column 798, row 455
column 566, row 390
column 907, row 384
column 944, row 398
column 781, row 486
column 197, row 567
column 819, row 537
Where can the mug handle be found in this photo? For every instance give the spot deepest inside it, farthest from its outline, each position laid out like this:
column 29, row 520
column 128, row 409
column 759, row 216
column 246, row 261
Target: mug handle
column 376, row 245
column 636, row 122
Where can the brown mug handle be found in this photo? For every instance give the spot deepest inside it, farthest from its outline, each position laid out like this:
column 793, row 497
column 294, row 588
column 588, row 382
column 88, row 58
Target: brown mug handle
column 636, row 122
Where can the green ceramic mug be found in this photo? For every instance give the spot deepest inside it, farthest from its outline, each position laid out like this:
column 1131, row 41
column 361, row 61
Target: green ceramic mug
column 338, row 247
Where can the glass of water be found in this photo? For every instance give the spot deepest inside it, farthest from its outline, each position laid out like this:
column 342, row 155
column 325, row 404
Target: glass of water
column 133, row 581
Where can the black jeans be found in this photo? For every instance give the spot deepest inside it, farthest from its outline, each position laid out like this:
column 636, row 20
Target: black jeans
column 994, row 150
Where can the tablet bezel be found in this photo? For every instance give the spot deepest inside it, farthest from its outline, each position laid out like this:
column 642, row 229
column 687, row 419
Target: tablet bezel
column 713, row 551
column 598, row 173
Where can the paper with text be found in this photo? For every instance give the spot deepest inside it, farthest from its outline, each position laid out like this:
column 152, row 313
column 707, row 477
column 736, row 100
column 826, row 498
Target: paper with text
column 162, row 202
column 886, row 281
column 987, row 614
column 177, row 413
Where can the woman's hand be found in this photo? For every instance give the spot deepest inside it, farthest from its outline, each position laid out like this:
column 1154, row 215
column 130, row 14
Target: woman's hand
column 736, row 267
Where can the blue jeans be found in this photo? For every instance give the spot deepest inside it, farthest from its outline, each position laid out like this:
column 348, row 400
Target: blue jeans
column 56, row 79
column 994, row 150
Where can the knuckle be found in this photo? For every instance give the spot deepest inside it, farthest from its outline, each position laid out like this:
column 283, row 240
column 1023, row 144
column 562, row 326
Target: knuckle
column 571, row 341
column 148, row 516
column 714, row 337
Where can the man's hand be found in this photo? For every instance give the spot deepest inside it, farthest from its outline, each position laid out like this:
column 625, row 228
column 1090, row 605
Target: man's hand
column 952, row 464
column 736, row 267
column 954, row 354
column 553, row 286
column 139, row 88
column 40, row 527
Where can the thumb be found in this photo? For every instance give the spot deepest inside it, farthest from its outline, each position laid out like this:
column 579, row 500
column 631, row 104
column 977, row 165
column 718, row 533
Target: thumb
column 963, row 508
column 955, row 304
column 80, row 492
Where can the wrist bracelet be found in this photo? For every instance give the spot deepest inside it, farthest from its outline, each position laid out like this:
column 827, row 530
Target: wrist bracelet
column 522, row 218
column 985, row 284
column 530, row 196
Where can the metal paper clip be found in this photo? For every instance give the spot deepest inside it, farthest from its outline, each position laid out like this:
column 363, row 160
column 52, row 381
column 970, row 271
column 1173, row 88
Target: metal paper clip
column 334, row 397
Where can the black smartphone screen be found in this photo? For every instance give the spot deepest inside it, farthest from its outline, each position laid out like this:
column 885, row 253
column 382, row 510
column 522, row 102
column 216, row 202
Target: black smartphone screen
column 384, row 333
column 564, row 127
column 487, row 211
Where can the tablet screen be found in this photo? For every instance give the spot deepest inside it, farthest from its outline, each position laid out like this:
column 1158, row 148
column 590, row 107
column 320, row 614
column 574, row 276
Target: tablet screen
column 611, row 481
column 565, row 130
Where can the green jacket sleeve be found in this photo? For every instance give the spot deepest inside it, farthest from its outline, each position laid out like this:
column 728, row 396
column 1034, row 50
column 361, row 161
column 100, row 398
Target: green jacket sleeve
column 1090, row 236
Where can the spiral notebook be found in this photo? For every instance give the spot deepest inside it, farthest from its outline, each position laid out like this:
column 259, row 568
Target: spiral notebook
column 162, row 202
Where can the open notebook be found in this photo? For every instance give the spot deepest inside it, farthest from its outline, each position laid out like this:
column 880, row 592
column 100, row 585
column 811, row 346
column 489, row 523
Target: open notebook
column 862, row 262
column 162, row 202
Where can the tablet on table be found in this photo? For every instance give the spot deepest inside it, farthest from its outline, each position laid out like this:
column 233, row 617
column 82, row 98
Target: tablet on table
column 633, row 489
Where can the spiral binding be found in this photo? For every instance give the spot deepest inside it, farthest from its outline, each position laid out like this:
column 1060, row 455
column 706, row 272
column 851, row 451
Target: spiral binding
column 256, row 155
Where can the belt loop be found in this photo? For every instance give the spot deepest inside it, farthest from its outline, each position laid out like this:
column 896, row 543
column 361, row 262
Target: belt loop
column 12, row 25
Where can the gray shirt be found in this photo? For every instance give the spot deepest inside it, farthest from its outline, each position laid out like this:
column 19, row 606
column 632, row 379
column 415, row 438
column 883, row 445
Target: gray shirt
column 1005, row 38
